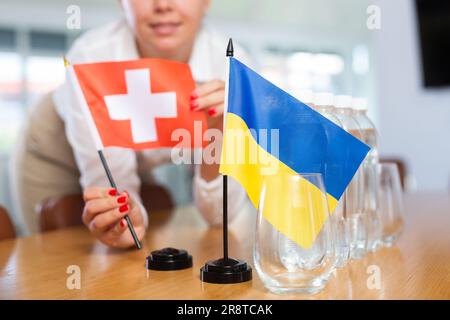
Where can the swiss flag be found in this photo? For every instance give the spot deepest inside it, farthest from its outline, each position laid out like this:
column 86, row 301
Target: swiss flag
column 138, row 104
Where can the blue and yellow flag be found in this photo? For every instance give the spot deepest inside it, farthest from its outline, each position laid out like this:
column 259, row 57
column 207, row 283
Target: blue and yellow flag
column 301, row 141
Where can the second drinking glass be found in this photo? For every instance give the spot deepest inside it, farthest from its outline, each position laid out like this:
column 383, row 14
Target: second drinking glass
column 391, row 202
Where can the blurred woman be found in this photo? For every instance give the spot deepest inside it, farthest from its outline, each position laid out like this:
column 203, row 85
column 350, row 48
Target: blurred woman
column 168, row 29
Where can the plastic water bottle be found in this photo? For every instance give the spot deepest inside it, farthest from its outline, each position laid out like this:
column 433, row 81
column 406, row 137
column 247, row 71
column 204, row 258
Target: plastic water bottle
column 369, row 135
column 289, row 252
column 305, row 96
column 324, row 104
column 357, row 220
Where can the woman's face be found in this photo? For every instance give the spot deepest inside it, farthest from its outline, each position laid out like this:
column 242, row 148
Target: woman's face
column 165, row 25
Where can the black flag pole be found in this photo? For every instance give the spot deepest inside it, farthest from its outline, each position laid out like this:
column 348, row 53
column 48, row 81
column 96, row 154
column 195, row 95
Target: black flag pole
column 226, row 270
column 230, row 53
column 225, row 217
column 114, row 186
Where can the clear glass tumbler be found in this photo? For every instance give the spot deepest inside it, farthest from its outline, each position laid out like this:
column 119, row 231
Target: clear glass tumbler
column 391, row 203
column 294, row 248
column 342, row 235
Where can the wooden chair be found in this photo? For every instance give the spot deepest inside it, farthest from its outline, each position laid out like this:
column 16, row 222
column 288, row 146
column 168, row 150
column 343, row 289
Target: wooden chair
column 7, row 230
column 158, row 202
column 66, row 211
column 402, row 168
column 60, row 212
column 156, row 198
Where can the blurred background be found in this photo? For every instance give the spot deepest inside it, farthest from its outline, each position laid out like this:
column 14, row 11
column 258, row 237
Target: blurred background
column 321, row 45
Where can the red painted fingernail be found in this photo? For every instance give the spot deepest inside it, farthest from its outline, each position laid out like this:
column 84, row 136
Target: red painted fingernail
column 123, row 208
column 212, row 112
column 112, row 192
column 121, row 199
column 122, row 223
column 194, row 96
column 194, row 104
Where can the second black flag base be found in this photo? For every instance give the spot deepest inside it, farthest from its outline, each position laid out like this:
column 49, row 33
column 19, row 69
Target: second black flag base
column 169, row 259
column 226, row 271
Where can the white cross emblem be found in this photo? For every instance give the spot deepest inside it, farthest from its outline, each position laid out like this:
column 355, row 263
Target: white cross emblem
column 141, row 106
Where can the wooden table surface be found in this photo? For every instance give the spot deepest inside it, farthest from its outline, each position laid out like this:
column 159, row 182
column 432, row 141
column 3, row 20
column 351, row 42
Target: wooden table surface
column 418, row 267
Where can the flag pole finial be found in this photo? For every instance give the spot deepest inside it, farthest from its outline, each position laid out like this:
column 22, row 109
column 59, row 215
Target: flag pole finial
column 66, row 62
column 230, row 49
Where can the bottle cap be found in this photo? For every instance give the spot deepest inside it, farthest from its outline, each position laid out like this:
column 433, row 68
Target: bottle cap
column 323, row 99
column 360, row 104
column 169, row 259
column 343, row 101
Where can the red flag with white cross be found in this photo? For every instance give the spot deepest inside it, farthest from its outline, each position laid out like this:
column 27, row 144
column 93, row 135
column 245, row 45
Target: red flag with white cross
column 139, row 104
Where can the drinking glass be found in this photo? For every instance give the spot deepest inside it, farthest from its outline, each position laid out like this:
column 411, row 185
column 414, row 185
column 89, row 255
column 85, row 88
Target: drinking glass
column 356, row 217
column 391, row 203
column 294, row 248
column 342, row 235
column 371, row 205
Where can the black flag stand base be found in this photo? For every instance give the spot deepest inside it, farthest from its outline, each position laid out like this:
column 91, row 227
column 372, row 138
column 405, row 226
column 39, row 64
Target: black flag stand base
column 226, row 271
column 169, row 259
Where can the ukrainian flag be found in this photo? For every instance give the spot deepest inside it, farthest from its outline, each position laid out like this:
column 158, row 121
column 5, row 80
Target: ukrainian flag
column 268, row 132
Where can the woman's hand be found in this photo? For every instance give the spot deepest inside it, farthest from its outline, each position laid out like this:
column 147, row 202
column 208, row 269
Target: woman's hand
column 104, row 213
column 210, row 97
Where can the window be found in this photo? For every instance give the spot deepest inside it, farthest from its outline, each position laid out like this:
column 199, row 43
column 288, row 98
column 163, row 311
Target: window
column 28, row 70
column 47, row 41
column 297, row 71
column 43, row 74
column 11, row 87
column 7, row 38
